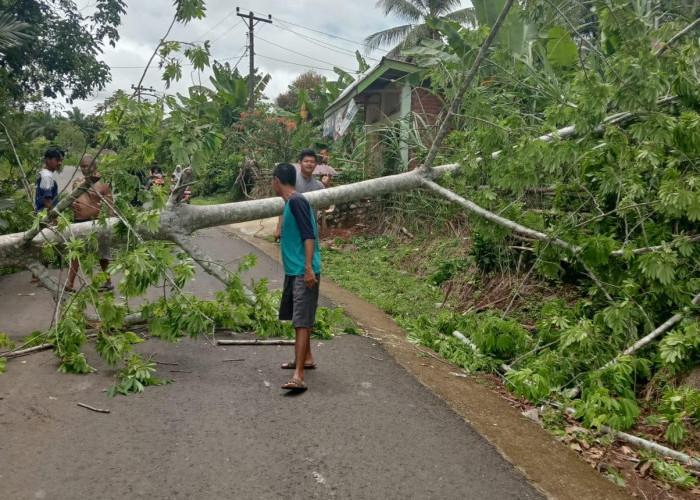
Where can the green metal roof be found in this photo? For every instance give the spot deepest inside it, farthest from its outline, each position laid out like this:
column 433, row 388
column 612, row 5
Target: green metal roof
column 382, row 74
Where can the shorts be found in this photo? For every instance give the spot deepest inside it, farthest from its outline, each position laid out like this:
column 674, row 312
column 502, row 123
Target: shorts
column 299, row 302
column 103, row 250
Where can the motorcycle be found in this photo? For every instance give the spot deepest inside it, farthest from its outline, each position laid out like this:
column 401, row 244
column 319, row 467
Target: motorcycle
column 186, row 194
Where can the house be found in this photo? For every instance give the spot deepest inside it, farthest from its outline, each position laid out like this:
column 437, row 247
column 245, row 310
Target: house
column 386, row 93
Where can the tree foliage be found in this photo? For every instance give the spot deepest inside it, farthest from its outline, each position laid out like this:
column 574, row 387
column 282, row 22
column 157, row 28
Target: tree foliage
column 60, row 54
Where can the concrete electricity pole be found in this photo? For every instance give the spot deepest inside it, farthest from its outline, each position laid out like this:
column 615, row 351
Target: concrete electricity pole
column 251, row 21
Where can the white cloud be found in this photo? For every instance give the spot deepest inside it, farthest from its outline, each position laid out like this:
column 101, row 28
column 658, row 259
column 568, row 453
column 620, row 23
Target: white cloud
column 275, row 44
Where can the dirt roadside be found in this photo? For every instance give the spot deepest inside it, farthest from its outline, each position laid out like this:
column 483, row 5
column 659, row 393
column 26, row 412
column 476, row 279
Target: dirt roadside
column 554, row 469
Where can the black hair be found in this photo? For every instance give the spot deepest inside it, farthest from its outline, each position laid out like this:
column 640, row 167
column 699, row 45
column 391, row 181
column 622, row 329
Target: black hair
column 54, row 152
column 286, row 173
column 307, row 152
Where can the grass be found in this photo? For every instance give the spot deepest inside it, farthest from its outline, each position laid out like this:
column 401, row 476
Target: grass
column 211, row 200
column 374, row 273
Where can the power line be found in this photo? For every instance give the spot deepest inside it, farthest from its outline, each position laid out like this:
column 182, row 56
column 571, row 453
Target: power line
column 324, row 44
column 293, row 63
column 227, row 31
column 185, row 64
column 327, row 34
column 201, row 38
column 303, row 55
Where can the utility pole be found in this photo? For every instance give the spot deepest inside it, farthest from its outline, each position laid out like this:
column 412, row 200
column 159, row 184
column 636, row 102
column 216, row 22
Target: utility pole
column 140, row 89
column 251, row 21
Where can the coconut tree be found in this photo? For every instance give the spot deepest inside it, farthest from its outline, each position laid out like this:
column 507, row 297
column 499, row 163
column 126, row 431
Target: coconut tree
column 12, row 31
column 415, row 13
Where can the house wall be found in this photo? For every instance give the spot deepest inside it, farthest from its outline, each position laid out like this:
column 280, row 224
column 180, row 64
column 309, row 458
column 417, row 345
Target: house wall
column 426, row 104
column 429, row 107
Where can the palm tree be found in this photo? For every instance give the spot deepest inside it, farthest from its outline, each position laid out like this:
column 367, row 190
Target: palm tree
column 42, row 123
column 12, row 32
column 415, row 12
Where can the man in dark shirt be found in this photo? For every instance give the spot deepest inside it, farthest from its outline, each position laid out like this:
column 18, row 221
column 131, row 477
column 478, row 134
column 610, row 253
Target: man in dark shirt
column 301, row 258
column 46, row 194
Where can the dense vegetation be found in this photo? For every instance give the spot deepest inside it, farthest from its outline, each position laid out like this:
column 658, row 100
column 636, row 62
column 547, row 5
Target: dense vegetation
column 608, row 208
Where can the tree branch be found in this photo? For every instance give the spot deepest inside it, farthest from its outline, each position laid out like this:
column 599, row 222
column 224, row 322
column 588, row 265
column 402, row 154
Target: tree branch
column 444, row 126
column 675, row 37
column 667, row 325
column 25, row 181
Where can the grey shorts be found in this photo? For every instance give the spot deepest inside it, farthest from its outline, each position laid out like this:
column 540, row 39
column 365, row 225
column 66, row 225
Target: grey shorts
column 299, row 302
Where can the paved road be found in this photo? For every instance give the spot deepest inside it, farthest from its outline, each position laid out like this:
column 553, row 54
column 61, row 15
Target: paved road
column 364, row 429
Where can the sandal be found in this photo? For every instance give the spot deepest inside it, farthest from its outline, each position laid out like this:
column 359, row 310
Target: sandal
column 106, row 288
column 295, row 385
column 293, row 364
column 68, row 289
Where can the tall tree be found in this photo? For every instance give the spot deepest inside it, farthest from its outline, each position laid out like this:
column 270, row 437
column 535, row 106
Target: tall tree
column 60, row 55
column 415, row 13
column 308, row 81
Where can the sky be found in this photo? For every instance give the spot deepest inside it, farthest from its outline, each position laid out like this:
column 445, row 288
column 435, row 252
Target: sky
column 284, row 49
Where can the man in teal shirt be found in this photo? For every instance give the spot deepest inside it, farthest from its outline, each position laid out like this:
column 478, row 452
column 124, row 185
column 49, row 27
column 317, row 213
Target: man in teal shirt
column 302, row 270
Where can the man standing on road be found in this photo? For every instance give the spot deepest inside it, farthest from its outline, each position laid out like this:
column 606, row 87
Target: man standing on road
column 46, row 195
column 46, row 192
column 305, row 182
column 88, row 207
column 302, row 270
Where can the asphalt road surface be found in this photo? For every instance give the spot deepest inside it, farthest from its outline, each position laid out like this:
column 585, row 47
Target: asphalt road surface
column 365, row 428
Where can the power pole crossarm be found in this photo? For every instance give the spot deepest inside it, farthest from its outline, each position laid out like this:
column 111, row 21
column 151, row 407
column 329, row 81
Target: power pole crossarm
column 251, row 20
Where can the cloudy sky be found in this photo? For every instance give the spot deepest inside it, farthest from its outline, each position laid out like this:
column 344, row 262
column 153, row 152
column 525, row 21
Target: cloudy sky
column 305, row 34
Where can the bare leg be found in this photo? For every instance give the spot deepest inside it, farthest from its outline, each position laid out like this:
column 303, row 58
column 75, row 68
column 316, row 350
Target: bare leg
column 72, row 273
column 302, row 349
column 309, row 359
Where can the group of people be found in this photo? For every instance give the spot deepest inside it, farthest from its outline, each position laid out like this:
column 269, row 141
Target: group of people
column 297, row 232
column 86, row 207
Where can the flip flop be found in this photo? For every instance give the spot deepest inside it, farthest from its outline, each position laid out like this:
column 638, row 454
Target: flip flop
column 295, row 385
column 106, row 288
column 68, row 289
column 292, row 365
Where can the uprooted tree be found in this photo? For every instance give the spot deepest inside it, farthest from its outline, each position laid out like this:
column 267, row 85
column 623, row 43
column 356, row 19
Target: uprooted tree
column 588, row 139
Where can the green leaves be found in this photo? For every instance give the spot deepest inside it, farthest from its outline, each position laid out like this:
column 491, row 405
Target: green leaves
column 172, row 72
column 137, row 375
column 500, row 338
column 187, row 10
column 562, row 51
column 596, row 249
column 670, row 472
column 198, row 56
column 527, row 383
column 597, row 407
column 676, row 349
column 660, row 266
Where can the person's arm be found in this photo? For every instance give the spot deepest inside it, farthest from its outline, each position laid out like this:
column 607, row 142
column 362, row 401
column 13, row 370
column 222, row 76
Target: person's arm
column 48, row 205
column 46, row 191
column 301, row 211
column 278, row 230
column 309, row 276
